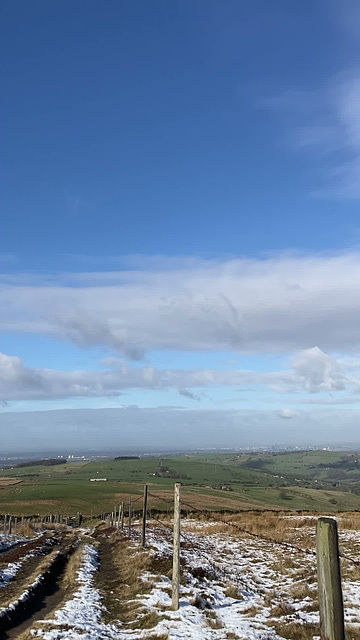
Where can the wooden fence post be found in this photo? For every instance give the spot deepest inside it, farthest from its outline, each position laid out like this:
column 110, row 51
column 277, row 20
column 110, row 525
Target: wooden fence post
column 122, row 516
column 143, row 531
column 176, row 548
column 329, row 580
column 130, row 509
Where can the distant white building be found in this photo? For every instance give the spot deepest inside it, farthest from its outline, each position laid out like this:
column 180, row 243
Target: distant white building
column 98, row 479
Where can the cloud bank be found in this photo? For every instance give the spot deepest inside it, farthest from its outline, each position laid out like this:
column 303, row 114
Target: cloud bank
column 312, row 371
column 280, row 304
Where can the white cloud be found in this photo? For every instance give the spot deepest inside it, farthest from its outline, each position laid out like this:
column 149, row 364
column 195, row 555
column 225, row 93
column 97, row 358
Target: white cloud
column 287, row 414
column 312, row 371
column 318, row 371
column 280, row 304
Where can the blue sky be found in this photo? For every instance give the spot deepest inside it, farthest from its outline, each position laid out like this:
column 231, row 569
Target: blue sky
column 180, row 211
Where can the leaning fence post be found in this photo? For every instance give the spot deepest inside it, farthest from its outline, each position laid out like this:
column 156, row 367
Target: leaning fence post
column 143, row 531
column 329, row 580
column 176, row 548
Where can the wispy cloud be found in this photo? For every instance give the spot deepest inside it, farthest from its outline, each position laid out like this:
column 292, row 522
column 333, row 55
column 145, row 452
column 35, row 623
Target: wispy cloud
column 325, row 122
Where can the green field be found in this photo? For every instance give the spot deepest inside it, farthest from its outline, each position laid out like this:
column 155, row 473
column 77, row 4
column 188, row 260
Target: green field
column 312, row 480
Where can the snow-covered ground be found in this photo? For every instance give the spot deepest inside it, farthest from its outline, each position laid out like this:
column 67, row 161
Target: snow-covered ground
column 234, row 587
column 12, row 568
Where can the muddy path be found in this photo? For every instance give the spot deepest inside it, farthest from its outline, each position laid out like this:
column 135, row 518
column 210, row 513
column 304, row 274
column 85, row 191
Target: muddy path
column 15, row 545
column 46, row 595
column 45, row 599
column 20, row 549
column 30, row 559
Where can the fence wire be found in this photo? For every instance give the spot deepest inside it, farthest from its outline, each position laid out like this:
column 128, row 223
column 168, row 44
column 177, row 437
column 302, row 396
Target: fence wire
column 280, row 543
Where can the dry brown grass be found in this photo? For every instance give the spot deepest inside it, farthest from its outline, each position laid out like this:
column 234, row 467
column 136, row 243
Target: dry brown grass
column 350, row 571
column 273, row 526
column 301, row 590
column 5, row 482
column 352, row 632
column 251, row 611
column 286, row 562
column 68, row 582
column 212, row 620
column 26, row 530
column 50, row 526
column 350, row 521
column 281, row 610
column 119, row 579
column 232, row 591
column 295, row 630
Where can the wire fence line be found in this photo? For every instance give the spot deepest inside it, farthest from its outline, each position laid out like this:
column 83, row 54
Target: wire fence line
column 243, row 530
column 287, row 545
column 218, row 569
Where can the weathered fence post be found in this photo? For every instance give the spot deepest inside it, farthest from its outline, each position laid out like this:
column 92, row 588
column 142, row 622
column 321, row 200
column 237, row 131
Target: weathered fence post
column 122, row 516
column 130, row 509
column 176, row 548
column 329, row 580
column 143, row 531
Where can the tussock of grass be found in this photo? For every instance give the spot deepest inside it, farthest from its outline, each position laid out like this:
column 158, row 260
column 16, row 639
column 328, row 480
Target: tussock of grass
column 295, row 630
column 250, row 611
column 282, row 609
column 301, row 590
column 147, row 621
column 212, row 620
column 286, row 562
column 233, row 592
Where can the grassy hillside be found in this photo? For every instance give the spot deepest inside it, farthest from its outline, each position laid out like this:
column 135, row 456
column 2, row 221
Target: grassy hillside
column 315, row 480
